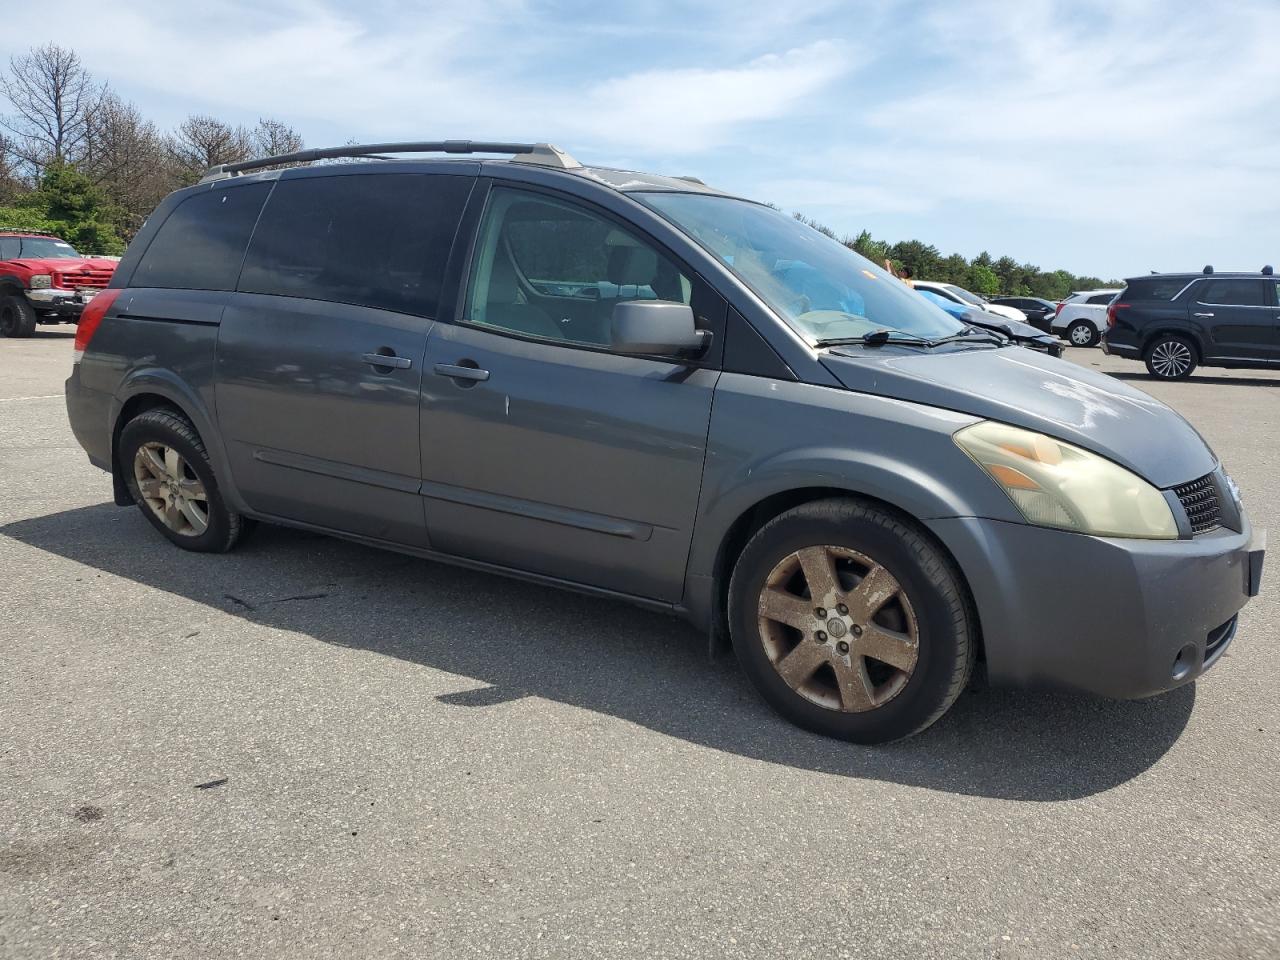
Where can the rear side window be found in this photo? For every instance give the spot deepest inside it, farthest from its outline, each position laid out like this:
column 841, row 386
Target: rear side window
column 1154, row 288
column 376, row 240
column 1101, row 298
column 1235, row 293
column 201, row 244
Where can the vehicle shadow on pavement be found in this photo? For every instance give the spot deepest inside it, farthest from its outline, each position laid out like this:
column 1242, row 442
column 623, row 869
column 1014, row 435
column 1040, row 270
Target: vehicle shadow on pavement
column 523, row 640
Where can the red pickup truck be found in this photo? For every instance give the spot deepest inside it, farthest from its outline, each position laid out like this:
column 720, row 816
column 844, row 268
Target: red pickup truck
column 44, row 280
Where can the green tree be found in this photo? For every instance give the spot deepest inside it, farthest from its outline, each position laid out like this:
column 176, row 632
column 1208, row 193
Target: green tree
column 983, row 280
column 923, row 259
column 874, row 250
column 953, row 269
column 76, row 209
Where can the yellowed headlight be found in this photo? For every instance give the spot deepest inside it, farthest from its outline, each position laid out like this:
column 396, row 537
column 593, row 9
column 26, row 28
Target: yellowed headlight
column 1055, row 484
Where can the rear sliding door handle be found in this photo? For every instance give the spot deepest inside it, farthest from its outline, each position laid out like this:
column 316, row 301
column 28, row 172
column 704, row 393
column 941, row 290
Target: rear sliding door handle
column 387, row 360
column 1205, row 315
column 457, row 371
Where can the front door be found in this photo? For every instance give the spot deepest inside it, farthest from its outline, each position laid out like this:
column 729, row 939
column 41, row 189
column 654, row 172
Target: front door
column 1238, row 317
column 541, row 449
column 319, row 364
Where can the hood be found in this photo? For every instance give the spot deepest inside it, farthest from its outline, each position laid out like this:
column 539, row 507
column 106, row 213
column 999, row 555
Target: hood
column 1016, row 330
column 64, row 264
column 1038, row 392
column 67, row 265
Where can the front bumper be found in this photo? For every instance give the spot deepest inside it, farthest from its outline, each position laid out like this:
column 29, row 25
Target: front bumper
column 57, row 300
column 1117, row 617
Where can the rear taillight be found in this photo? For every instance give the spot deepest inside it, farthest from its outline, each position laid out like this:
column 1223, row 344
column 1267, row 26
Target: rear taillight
column 90, row 318
column 1058, row 309
column 1111, row 313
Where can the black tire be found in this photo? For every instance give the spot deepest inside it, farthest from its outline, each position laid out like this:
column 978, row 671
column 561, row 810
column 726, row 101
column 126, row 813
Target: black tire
column 17, row 317
column 162, row 425
column 1171, row 357
column 946, row 623
column 1089, row 335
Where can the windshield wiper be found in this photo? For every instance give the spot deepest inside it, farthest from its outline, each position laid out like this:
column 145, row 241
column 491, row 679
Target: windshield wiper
column 877, row 338
column 975, row 333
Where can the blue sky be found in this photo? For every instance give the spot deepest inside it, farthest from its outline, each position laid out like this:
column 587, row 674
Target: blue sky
column 1105, row 138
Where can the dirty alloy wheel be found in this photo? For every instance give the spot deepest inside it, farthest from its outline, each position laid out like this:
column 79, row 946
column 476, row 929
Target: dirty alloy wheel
column 17, row 319
column 167, row 470
column 1082, row 334
column 851, row 621
column 1171, row 358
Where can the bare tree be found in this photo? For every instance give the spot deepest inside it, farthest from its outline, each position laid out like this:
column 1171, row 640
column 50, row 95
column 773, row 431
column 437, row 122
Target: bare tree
column 125, row 155
column 203, row 142
column 53, row 98
column 271, row 138
column 10, row 185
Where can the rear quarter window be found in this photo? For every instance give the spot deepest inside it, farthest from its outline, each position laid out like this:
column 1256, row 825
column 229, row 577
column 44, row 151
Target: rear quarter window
column 1236, row 293
column 375, row 240
column 201, row 243
column 1154, row 288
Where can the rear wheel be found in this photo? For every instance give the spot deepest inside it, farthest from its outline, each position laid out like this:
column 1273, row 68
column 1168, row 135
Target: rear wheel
column 17, row 318
column 169, row 474
column 1082, row 333
column 1170, row 357
column 851, row 622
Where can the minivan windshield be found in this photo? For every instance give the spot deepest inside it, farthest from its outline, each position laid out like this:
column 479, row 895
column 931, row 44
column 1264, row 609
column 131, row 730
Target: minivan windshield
column 821, row 288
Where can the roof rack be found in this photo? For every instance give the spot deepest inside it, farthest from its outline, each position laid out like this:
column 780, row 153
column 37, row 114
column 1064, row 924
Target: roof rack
column 543, row 154
column 29, row 233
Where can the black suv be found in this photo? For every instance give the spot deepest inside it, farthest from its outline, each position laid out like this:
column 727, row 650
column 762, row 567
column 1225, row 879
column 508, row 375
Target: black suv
column 1178, row 321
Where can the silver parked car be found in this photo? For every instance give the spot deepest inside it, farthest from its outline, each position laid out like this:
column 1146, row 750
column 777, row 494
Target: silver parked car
column 642, row 387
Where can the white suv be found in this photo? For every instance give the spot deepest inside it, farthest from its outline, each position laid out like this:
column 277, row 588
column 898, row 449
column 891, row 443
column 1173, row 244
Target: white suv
column 969, row 299
column 1082, row 317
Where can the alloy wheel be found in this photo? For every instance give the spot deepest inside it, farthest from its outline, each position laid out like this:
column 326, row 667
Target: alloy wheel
column 171, row 489
column 1081, row 335
column 1171, row 358
column 838, row 628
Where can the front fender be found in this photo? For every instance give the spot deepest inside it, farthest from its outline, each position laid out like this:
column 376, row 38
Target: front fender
column 769, row 438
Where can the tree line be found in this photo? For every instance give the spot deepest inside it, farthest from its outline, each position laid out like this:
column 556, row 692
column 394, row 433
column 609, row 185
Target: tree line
column 984, row 274
column 78, row 160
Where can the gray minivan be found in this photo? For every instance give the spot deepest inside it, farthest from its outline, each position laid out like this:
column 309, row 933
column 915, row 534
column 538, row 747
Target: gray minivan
column 642, row 387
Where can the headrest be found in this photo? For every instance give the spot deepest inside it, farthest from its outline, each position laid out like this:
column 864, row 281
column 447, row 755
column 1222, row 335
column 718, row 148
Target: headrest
column 632, row 265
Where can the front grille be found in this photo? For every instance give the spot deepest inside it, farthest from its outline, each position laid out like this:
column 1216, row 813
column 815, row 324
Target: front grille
column 1199, row 499
column 82, row 278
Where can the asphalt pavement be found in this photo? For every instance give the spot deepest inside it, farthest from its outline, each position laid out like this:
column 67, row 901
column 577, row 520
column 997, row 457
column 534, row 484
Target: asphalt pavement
column 313, row 748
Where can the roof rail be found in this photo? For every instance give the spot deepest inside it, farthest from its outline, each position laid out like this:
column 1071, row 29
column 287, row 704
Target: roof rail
column 540, row 153
column 29, row 233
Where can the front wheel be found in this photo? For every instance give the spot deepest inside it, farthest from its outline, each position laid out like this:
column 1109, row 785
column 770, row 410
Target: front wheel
column 17, row 318
column 1083, row 334
column 851, row 622
column 1170, row 357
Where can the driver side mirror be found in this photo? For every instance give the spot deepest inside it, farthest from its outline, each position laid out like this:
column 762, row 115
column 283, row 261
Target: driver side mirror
column 656, row 327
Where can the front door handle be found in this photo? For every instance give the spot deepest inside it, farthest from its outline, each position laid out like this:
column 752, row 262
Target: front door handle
column 1205, row 315
column 459, row 371
column 387, row 360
